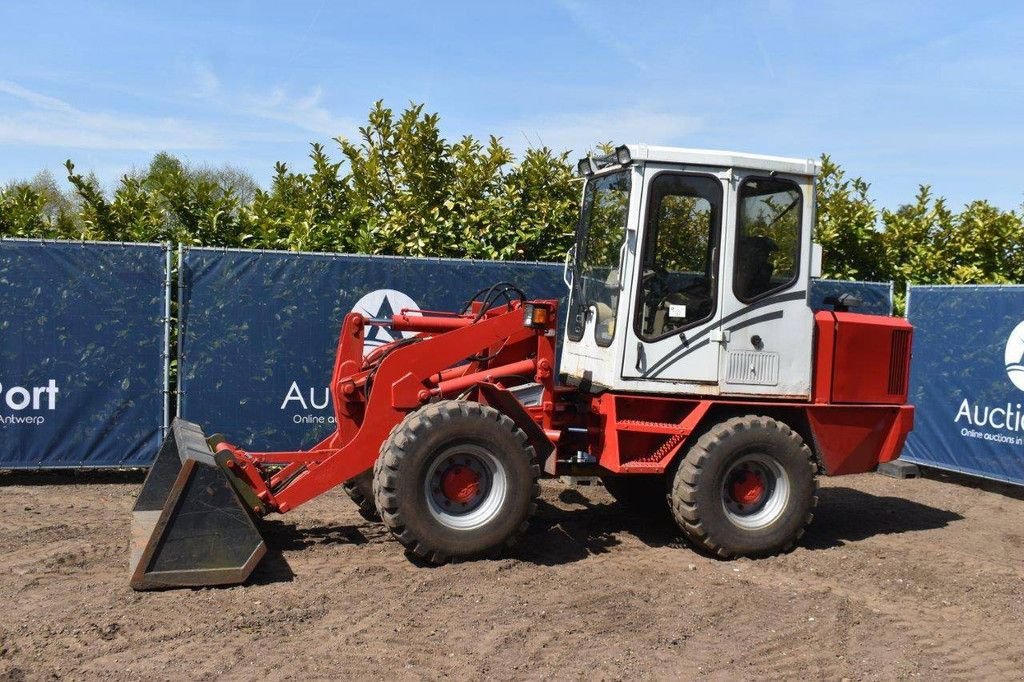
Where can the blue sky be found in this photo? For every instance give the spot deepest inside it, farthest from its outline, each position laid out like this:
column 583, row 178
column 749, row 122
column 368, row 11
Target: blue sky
column 901, row 93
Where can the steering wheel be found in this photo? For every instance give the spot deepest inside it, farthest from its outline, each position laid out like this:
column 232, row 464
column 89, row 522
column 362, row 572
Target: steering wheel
column 655, row 283
column 696, row 288
column 660, row 295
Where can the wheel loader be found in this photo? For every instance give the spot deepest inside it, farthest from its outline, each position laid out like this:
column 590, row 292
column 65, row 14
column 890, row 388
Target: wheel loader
column 694, row 377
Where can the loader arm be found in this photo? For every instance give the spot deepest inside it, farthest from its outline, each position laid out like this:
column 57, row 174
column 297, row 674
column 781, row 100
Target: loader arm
column 195, row 522
column 403, row 383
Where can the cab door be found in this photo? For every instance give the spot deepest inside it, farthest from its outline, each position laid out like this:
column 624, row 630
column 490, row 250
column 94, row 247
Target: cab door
column 676, row 304
column 597, row 289
column 767, row 328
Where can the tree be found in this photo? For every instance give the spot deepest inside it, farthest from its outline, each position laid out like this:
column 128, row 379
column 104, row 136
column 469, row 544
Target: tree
column 847, row 226
column 539, row 209
column 983, row 244
column 303, row 212
column 21, row 211
column 413, row 193
column 37, row 209
column 401, row 188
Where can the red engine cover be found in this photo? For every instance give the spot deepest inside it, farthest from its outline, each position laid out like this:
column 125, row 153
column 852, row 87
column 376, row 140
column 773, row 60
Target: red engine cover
column 862, row 358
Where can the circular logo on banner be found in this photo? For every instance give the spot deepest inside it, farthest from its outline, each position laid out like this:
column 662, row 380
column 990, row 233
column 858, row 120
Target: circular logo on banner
column 1014, row 356
column 383, row 303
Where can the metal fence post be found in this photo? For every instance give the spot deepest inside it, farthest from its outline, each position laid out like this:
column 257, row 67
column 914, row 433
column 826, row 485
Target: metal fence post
column 166, row 350
column 181, row 329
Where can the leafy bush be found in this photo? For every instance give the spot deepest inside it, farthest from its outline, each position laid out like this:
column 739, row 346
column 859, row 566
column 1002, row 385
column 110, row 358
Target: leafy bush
column 402, row 188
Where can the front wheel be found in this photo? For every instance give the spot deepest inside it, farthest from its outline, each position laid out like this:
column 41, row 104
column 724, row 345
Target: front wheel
column 456, row 479
column 746, row 488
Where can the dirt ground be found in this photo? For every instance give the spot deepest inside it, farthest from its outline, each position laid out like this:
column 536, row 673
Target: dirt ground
column 895, row 579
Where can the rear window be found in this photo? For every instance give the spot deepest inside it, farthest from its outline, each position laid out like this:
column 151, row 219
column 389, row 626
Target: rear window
column 767, row 237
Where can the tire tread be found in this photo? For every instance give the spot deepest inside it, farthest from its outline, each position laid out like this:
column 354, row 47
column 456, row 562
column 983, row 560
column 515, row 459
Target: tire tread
column 683, row 498
column 396, row 449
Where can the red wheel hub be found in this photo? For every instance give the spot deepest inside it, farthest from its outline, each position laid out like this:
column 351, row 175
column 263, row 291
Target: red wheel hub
column 747, row 487
column 460, row 484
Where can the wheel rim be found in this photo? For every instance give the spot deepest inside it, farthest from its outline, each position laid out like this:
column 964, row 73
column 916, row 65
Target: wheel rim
column 466, row 487
column 755, row 491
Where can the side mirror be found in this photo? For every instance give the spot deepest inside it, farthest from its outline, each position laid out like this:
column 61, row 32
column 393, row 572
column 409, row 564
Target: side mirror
column 816, row 259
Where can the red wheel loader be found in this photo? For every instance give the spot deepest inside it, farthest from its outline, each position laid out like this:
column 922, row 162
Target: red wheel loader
column 693, row 377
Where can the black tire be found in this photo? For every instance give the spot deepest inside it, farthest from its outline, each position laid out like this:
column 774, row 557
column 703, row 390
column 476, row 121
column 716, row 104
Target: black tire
column 715, row 490
column 642, row 493
column 360, row 491
column 438, row 444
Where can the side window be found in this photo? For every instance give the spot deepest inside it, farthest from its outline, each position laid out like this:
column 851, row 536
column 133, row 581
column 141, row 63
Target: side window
column 596, row 281
column 767, row 237
column 677, row 284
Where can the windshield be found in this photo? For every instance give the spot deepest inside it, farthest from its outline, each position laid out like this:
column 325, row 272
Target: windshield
column 598, row 249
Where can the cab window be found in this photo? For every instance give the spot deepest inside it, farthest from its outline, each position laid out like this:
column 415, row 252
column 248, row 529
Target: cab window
column 677, row 282
column 767, row 237
column 596, row 280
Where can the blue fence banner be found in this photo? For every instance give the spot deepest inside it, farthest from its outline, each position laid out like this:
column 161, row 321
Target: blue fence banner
column 967, row 380
column 875, row 297
column 82, row 353
column 84, row 329
column 258, row 329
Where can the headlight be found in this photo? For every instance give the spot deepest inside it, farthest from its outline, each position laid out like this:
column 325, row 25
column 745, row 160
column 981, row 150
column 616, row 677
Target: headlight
column 587, row 166
column 622, row 155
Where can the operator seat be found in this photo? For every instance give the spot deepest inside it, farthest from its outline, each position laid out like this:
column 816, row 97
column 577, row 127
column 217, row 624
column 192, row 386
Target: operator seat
column 755, row 269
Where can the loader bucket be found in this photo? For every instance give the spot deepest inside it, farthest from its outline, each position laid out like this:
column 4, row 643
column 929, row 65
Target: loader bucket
column 192, row 523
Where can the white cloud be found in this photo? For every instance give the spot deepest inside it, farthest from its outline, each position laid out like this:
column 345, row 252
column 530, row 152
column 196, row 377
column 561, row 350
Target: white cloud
column 34, row 98
column 304, row 111
column 581, row 132
column 46, row 121
column 231, row 117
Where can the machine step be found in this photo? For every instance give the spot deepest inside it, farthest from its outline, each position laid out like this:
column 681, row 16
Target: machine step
column 641, row 467
column 642, row 426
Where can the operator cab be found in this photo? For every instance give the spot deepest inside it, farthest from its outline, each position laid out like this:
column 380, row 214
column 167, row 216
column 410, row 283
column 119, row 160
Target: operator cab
column 690, row 274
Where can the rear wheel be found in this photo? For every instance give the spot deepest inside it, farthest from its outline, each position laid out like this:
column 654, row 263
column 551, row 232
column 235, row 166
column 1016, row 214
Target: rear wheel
column 746, row 488
column 456, row 479
column 360, row 490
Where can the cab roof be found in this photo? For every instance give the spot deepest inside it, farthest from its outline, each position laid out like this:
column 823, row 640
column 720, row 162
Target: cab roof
column 724, row 159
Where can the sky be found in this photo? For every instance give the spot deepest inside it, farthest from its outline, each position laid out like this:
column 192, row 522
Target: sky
column 900, row 93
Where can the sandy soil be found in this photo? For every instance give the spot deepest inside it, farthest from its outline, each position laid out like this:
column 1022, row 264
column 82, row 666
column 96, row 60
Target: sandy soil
column 895, row 579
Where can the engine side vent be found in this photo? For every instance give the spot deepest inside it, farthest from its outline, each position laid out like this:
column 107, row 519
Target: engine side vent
column 752, row 368
column 899, row 356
